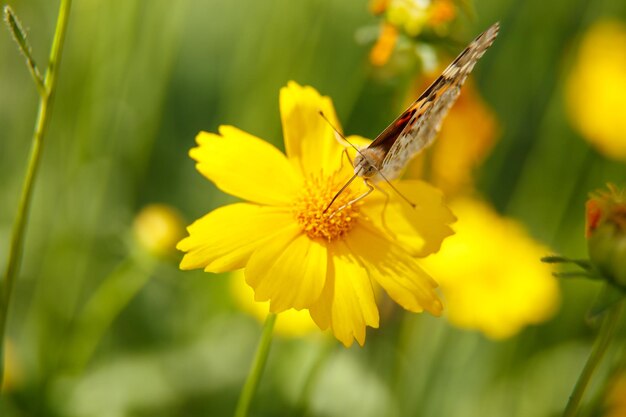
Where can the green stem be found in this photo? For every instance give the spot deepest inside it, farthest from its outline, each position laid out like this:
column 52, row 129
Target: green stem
column 104, row 306
column 19, row 226
column 302, row 403
column 405, row 334
column 252, row 382
column 598, row 350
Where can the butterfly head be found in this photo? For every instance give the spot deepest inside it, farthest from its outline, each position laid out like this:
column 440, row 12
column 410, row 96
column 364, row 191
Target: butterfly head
column 367, row 162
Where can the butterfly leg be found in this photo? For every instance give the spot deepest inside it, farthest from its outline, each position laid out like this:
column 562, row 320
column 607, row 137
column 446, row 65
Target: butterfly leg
column 355, row 200
column 345, row 152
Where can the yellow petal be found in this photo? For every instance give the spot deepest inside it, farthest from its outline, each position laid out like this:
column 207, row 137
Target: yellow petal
column 309, row 139
column 419, row 230
column 289, row 270
column 351, row 298
column 246, row 166
column 359, row 142
column 394, row 269
column 321, row 311
column 224, row 239
column 290, row 323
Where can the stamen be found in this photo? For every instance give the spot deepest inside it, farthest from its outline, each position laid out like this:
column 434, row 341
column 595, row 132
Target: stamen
column 310, row 209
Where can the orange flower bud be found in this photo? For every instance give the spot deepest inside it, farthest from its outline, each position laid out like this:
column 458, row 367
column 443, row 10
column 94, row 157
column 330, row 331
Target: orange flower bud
column 593, row 217
column 606, row 233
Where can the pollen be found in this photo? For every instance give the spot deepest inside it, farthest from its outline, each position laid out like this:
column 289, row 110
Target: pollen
column 310, row 206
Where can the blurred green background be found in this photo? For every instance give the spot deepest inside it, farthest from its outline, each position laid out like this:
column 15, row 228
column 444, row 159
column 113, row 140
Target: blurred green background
column 139, row 79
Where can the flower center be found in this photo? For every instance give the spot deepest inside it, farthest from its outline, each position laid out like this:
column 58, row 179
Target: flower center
column 313, row 200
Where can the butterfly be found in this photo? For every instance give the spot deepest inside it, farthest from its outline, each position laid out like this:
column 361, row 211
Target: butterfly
column 417, row 127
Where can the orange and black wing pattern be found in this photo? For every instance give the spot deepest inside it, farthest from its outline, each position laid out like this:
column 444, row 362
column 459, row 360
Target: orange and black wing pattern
column 417, row 127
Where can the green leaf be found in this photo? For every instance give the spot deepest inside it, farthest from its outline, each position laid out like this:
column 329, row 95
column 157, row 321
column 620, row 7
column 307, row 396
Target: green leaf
column 576, row 274
column 557, row 259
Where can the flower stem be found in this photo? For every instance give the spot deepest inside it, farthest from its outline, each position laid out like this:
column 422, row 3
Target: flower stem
column 104, row 306
column 19, row 226
column 603, row 339
column 302, row 404
column 252, row 382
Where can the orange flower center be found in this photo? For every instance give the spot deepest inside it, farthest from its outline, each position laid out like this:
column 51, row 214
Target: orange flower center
column 310, row 209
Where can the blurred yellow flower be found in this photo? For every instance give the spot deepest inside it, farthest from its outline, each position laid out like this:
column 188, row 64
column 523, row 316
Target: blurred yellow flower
column 467, row 136
column 296, row 254
column 12, row 369
column 410, row 16
column 291, row 322
column 490, row 274
column 615, row 401
column 596, row 88
column 157, row 228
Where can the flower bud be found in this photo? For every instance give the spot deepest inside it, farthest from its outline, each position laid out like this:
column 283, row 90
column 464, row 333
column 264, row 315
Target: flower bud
column 157, row 228
column 606, row 233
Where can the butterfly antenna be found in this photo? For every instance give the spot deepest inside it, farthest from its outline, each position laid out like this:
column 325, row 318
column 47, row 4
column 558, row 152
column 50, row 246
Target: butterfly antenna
column 412, row 204
column 338, row 135
column 339, row 192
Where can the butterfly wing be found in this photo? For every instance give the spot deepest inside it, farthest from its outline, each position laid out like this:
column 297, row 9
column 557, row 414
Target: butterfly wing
column 418, row 126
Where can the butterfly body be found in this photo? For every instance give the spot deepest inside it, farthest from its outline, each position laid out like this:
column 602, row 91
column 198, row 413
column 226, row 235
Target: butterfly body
column 417, row 127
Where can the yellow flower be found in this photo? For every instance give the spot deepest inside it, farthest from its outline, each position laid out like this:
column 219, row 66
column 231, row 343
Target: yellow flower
column 291, row 322
column 157, row 228
column 490, row 274
column 596, row 88
column 296, row 254
column 467, row 135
